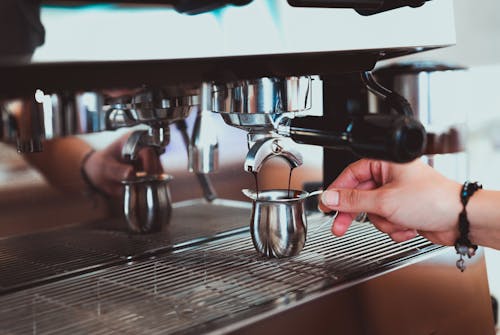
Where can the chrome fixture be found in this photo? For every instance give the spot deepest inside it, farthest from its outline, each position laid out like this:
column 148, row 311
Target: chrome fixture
column 204, row 146
column 30, row 120
column 259, row 106
column 156, row 137
column 274, row 113
column 419, row 83
column 22, row 123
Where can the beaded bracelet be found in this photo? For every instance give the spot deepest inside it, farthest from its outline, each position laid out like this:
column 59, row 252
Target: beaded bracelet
column 463, row 245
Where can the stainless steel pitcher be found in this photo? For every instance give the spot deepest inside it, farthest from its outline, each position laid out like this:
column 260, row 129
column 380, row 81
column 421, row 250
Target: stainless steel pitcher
column 147, row 203
column 279, row 222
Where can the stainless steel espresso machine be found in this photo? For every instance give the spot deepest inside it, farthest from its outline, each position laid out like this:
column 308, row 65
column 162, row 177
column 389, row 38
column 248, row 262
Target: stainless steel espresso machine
column 255, row 64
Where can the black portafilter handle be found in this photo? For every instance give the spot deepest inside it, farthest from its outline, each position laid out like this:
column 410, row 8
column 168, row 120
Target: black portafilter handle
column 390, row 137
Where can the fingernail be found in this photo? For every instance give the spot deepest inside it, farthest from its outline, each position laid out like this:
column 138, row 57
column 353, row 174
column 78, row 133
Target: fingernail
column 330, row 198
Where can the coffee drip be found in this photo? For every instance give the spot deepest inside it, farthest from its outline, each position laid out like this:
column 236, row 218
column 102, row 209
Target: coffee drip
column 256, row 178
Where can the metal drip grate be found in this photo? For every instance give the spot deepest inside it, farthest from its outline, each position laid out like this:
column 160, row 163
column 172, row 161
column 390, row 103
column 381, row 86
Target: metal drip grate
column 32, row 259
column 196, row 289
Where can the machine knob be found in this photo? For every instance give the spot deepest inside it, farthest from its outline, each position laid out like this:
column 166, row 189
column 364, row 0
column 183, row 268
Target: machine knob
column 394, row 138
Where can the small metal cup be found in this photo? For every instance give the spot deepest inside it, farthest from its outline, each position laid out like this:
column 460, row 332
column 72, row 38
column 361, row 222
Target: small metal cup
column 146, row 203
column 279, row 223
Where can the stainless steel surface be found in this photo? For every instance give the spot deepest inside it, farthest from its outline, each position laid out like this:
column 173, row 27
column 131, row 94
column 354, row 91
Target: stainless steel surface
column 269, row 147
column 151, row 106
column 256, row 105
column 156, row 137
column 204, row 180
column 204, row 146
column 157, row 105
column 279, row 223
column 442, row 138
column 73, row 114
column 22, row 123
column 30, row 120
column 200, row 289
column 147, row 203
column 35, row 258
column 423, row 85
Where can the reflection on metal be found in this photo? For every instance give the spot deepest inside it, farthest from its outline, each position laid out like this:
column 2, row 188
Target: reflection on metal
column 204, row 145
column 29, row 121
column 147, row 203
column 32, row 259
column 279, row 223
column 149, row 106
column 223, row 281
column 23, row 123
column 269, row 147
column 260, row 106
column 422, row 83
column 256, row 105
column 155, row 137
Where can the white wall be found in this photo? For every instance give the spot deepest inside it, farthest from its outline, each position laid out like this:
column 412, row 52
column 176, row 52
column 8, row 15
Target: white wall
column 477, row 24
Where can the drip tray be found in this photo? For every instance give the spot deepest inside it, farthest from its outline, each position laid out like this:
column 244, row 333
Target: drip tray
column 36, row 258
column 205, row 287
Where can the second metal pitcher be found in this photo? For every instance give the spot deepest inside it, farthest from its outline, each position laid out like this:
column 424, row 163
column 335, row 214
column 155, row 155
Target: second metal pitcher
column 146, row 203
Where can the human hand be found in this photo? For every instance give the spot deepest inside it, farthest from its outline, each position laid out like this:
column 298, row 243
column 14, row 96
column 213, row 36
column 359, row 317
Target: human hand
column 106, row 169
column 400, row 199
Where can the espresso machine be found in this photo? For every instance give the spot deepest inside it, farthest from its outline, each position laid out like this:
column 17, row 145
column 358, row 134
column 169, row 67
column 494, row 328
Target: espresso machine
column 201, row 273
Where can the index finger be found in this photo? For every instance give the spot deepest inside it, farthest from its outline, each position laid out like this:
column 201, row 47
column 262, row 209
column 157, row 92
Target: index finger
column 357, row 173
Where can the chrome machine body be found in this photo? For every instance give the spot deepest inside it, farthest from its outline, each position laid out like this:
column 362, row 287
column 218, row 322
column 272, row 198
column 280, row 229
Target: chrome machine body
column 254, row 64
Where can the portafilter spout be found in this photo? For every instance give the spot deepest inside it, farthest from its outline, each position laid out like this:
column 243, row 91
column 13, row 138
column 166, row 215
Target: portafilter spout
column 268, row 147
column 156, row 137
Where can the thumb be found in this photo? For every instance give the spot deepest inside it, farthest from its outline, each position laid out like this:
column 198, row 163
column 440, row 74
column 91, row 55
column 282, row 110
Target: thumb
column 351, row 200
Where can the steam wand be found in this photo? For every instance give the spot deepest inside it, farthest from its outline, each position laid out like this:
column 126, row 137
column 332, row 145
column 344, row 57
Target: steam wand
column 206, row 185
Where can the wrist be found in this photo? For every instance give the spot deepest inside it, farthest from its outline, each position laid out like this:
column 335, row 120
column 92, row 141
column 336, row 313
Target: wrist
column 91, row 188
column 453, row 209
column 484, row 214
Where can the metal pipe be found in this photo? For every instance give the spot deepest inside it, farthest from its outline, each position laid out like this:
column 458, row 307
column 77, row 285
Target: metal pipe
column 206, row 184
column 204, row 146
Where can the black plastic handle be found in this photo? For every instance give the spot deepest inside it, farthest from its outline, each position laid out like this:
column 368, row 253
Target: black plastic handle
column 363, row 7
column 396, row 138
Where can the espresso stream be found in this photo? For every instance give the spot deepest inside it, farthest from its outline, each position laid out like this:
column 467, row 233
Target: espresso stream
column 257, row 183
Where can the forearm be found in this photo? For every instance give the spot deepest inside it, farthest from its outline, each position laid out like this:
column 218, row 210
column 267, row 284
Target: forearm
column 60, row 162
column 483, row 212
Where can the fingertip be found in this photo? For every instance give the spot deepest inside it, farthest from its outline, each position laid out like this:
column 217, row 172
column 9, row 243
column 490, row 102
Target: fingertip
column 330, row 198
column 341, row 224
